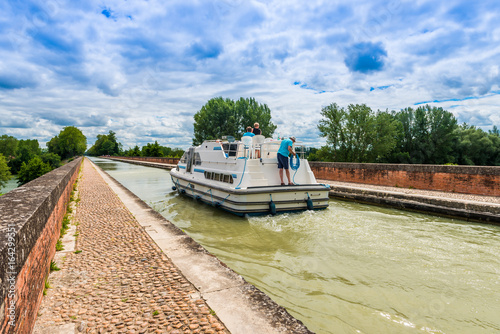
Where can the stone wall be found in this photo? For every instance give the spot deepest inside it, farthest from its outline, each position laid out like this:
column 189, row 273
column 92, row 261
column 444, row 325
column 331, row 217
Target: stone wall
column 479, row 180
column 173, row 161
column 30, row 224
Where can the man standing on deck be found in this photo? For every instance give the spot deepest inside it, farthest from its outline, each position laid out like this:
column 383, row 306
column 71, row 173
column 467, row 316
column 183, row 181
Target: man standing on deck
column 286, row 148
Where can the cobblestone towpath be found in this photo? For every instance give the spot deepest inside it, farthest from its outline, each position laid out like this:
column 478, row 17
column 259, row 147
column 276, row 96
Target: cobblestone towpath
column 117, row 279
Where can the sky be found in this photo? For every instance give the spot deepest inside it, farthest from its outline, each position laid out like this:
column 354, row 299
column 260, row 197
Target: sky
column 143, row 68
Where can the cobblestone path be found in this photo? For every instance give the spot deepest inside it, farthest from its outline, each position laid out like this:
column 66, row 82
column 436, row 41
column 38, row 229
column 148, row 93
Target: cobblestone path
column 120, row 282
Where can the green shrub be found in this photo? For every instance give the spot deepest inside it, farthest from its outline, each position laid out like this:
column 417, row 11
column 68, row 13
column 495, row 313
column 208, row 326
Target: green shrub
column 34, row 169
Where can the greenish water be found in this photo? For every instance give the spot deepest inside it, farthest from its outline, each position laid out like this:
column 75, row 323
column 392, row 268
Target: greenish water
column 9, row 185
column 351, row 268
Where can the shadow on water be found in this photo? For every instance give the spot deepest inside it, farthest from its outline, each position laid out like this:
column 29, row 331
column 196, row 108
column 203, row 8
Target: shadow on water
column 351, row 268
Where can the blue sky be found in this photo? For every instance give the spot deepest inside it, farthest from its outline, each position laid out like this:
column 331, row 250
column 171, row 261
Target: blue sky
column 144, row 68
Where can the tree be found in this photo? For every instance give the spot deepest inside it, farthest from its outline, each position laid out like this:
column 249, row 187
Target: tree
column 356, row 134
column 425, row 136
column 52, row 159
column 27, row 149
column 152, row 150
column 133, row 152
column 105, row 145
column 4, row 171
column 477, row 147
column 69, row 143
column 8, row 146
column 34, row 169
column 220, row 117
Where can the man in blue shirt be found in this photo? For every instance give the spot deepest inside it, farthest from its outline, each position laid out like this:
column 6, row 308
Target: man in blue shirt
column 284, row 151
column 249, row 132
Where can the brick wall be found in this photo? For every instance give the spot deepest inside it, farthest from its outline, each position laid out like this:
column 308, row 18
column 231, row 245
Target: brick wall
column 30, row 223
column 173, row 161
column 479, row 180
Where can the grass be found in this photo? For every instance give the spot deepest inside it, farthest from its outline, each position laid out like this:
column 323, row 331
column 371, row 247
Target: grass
column 77, row 251
column 46, row 286
column 53, row 266
column 155, row 312
column 59, row 245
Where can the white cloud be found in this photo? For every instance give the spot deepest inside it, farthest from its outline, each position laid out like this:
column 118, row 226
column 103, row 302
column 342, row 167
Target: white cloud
column 143, row 69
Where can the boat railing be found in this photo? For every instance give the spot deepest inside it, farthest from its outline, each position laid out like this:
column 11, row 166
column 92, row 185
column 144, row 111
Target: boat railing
column 266, row 150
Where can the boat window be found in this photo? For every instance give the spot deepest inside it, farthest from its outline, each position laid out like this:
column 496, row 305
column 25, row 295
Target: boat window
column 230, row 149
column 197, row 159
column 184, row 158
column 228, row 178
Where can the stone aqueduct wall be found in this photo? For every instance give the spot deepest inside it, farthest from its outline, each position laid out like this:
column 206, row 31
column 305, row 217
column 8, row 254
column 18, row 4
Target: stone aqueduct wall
column 30, row 224
column 478, row 180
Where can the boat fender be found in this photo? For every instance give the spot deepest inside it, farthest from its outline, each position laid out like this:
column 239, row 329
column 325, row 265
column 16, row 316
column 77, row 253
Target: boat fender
column 174, row 188
column 197, row 197
column 272, row 206
column 183, row 191
column 218, row 204
column 310, row 204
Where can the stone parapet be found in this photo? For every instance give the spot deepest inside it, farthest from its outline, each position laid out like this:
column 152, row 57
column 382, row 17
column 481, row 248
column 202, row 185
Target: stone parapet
column 30, row 223
column 479, row 180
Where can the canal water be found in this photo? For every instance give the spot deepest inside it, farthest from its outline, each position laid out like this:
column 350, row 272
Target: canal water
column 9, row 185
column 351, row 268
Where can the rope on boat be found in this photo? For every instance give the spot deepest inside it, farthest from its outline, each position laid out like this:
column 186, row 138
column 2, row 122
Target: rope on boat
column 219, row 204
column 175, row 183
column 295, row 166
column 211, row 195
column 242, row 174
column 192, row 188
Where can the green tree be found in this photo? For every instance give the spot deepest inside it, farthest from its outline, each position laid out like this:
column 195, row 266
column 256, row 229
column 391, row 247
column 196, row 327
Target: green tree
column 219, row 117
column 4, row 171
column 152, row 150
column 69, row 143
column 52, row 159
column 8, row 146
column 34, row 169
column 27, row 149
column 426, row 135
column 105, row 145
column 477, row 147
column 356, row 134
column 133, row 152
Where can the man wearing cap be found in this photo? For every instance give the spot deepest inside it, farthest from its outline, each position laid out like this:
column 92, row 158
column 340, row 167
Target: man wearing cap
column 286, row 148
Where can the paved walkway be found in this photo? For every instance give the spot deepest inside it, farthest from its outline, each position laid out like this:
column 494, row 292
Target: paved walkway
column 120, row 282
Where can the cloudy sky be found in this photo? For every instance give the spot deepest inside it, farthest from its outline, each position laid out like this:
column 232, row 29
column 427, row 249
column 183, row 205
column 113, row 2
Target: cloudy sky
column 144, row 68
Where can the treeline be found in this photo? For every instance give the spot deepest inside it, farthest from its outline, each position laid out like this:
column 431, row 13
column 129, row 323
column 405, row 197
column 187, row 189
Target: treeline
column 108, row 145
column 25, row 158
column 425, row 135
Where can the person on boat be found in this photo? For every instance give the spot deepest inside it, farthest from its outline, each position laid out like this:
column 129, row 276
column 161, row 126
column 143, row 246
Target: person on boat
column 256, row 130
column 284, row 151
column 249, row 132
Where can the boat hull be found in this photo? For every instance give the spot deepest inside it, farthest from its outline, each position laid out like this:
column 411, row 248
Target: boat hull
column 254, row 201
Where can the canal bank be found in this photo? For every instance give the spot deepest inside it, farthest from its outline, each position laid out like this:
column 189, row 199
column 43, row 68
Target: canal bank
column 475, row 208
column 134, row 271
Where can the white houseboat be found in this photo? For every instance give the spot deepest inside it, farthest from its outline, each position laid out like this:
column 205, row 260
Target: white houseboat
column 242, row 177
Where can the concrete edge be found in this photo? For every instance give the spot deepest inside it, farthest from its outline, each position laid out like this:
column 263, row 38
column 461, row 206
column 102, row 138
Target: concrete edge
column 144, row 163
column 241, row 306
column 461, row 209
